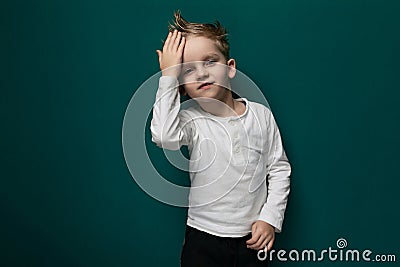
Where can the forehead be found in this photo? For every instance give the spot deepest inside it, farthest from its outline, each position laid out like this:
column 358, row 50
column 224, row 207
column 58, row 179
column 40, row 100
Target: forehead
column 199, row 48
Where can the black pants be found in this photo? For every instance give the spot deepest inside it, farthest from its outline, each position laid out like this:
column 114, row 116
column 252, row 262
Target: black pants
column 201, row 249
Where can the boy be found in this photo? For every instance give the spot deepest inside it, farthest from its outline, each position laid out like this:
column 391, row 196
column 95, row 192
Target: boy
column 238, row 168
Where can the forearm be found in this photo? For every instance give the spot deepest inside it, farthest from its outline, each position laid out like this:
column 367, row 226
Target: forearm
column 278, row 179
column 166, row 124
column 277, row 194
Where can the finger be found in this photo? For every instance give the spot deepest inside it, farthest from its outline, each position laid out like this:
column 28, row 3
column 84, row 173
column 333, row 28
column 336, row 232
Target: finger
column 258, row 244
column 182, row 45
column 172, row 40
column 253, row 240
column 270, row 244
column 177, row 41
column 166, row 43
column 264, row 245
column 266, row 242
column 254, row 236
column 159, row 55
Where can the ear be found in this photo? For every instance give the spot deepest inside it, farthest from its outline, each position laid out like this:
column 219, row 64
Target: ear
column 231, row 68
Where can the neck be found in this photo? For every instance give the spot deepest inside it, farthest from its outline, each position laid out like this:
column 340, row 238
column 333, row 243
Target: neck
column 223, row 107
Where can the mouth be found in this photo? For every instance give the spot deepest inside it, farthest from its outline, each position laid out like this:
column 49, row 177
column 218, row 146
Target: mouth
column 206, row 85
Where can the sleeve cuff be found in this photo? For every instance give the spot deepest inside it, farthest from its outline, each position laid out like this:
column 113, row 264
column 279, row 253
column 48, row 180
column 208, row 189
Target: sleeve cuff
column 168, row 82
column 273, row 219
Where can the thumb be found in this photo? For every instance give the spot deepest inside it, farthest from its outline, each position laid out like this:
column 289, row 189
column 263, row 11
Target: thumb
column 159, row 54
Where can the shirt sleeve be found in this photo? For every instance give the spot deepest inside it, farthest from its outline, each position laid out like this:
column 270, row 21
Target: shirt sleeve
column 278, row 178
column 170, row 128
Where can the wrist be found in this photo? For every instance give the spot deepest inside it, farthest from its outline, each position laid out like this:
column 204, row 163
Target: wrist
column 169, row 74
column 171, row 71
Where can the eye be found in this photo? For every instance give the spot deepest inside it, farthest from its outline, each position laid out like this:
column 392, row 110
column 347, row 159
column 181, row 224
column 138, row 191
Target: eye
column 187, row 71
column 210, row 62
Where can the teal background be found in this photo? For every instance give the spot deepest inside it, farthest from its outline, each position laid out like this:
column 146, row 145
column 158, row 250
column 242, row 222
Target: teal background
column 329, row 69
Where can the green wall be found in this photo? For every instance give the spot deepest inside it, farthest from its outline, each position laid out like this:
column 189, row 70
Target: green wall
column 329, row 69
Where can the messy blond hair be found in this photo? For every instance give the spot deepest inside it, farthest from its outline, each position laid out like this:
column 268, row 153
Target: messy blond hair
column 213, row 31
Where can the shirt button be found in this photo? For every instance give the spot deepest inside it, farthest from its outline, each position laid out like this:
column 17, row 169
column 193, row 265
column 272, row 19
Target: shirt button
column 237, row 150
column 232, row 123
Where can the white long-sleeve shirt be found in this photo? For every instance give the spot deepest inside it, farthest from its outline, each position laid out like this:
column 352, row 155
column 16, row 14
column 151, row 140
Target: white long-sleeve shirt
column 238, row 168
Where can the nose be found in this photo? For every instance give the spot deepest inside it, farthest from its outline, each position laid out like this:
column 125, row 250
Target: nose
column 201, row 73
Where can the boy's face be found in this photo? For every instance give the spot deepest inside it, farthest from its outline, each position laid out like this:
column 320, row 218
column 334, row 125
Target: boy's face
column 205, row 71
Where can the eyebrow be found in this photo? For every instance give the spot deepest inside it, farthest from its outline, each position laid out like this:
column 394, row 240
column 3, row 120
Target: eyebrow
column 211, row 54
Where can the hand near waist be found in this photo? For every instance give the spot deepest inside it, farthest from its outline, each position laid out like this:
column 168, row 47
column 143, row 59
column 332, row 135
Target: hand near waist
column 263, row 235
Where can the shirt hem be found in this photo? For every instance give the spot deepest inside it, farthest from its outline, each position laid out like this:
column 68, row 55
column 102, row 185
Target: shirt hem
column 201, row 228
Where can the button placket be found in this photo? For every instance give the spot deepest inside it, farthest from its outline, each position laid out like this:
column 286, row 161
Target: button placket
column 234, row 129
column 236, row 143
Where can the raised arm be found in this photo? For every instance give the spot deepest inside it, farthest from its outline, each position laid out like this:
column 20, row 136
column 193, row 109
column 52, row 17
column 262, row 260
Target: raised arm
column 169, row 127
